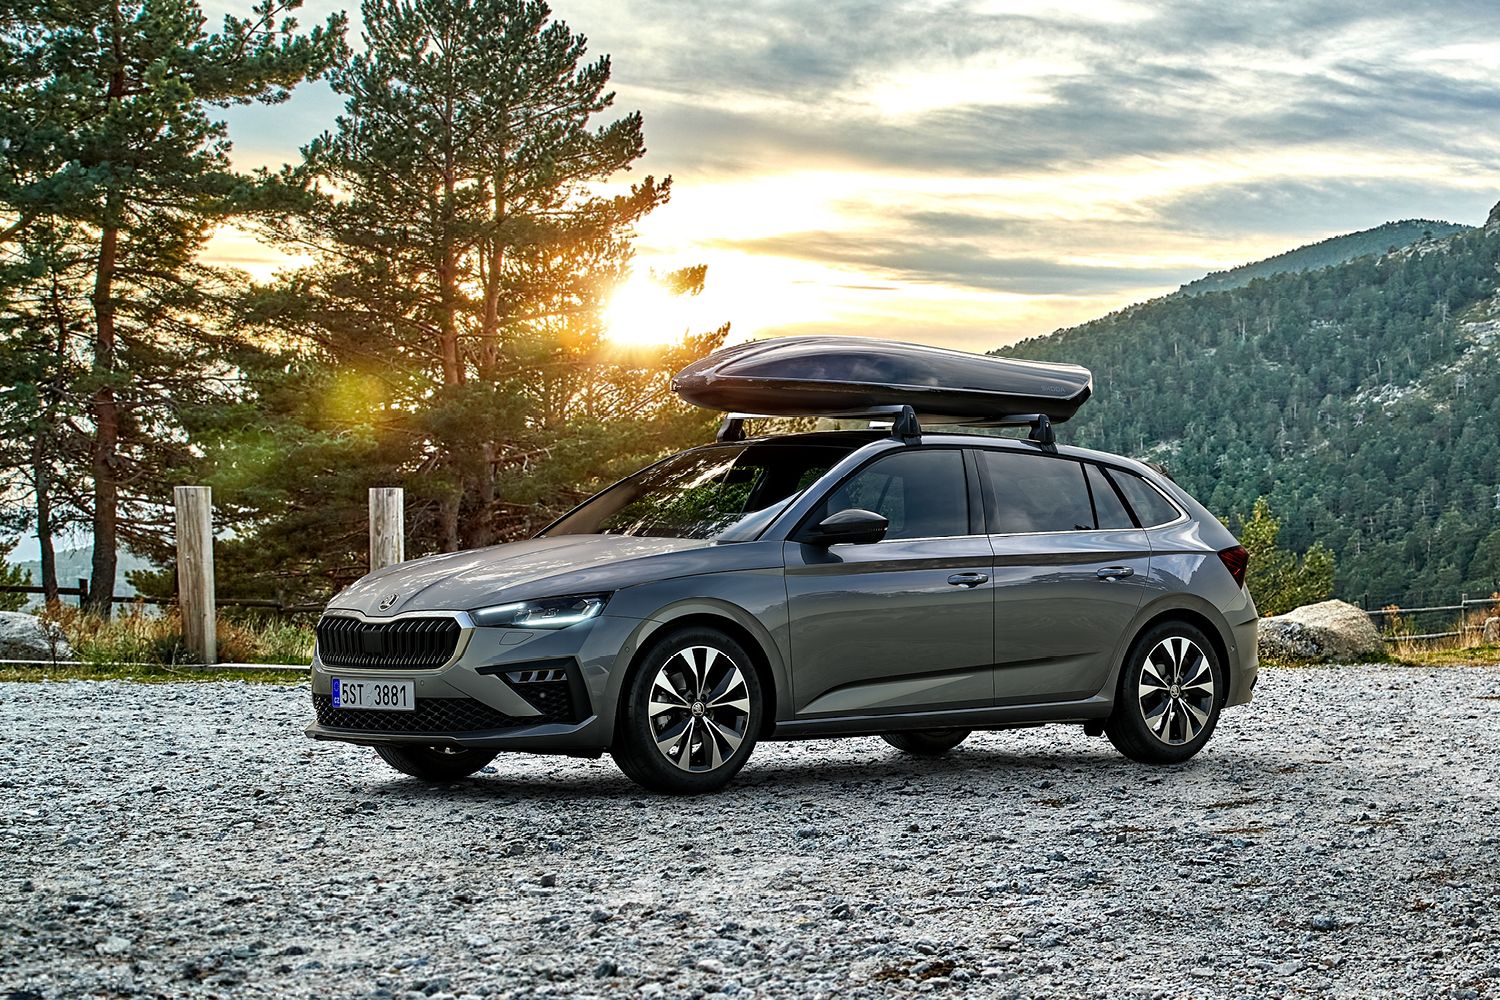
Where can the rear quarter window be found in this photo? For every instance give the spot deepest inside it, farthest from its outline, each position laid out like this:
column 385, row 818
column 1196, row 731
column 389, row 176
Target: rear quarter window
column 1151, row 508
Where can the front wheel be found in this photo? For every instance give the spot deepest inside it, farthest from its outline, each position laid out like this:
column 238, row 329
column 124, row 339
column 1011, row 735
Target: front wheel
column 436, row 764
column 926, row 742
column 690, row 713
column 1169, row 697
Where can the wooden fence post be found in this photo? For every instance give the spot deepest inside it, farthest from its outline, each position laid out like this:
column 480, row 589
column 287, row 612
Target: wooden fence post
column 387, row 527
column 195, row 571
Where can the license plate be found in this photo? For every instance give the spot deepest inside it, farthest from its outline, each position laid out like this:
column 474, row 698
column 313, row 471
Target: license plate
column 381, row 696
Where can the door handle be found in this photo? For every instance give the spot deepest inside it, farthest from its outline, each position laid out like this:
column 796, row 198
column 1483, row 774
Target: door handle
column 1115, row 572
column 968, row 579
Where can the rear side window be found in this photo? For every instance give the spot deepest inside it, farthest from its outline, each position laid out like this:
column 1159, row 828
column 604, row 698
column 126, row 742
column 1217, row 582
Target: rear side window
column 1035, row 493
column 1151, row 508
column 922, row 493
column 1108, row 508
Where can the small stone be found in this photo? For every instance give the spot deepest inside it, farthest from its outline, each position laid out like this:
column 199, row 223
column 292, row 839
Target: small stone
column 548, row 880
column 113, row 945
column 606, row 969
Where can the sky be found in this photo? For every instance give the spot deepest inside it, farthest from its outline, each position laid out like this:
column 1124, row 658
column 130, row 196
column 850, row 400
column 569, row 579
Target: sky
column 973, row 173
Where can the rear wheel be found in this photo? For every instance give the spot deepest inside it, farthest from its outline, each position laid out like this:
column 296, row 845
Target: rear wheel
column 1169, row 697
column 435, row 763
column 926, row 742
column 690, row 714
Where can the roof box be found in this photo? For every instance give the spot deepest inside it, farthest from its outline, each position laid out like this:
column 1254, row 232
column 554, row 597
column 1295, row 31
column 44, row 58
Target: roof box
column 813, row 376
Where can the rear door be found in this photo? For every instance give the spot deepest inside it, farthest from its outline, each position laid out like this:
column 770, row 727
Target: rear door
column 905, row 624
column 1068, row 573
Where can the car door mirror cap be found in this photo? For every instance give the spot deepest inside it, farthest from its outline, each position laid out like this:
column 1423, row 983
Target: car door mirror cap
column 854, row 526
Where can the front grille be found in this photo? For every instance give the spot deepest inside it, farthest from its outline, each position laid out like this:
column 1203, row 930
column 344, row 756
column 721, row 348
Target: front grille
column 432, row 715
column 405, row 643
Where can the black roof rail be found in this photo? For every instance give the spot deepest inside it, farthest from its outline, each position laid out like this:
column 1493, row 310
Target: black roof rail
column 904, row 423
column 903, row 418
column 1040, row 424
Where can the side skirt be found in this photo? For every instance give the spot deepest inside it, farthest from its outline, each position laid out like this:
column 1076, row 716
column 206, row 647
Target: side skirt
column 987, row 717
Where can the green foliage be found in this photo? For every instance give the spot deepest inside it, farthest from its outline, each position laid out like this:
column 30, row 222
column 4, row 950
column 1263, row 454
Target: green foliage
column 1278, row 579
column 12, row 576
column 115, row 174
column 1360, row 400
column 448, row 336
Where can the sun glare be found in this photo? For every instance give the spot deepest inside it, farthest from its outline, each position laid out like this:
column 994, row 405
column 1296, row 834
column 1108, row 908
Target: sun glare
column 643, row 312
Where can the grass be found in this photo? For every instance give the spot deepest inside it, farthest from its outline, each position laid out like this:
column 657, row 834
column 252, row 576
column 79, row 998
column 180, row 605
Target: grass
column 144, row 645
column 146, row 673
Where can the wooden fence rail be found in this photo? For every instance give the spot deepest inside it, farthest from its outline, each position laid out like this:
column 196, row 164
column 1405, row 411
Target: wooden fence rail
column 195, row 566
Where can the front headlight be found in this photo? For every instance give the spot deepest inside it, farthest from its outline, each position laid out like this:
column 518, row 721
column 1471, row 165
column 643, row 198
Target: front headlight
column 550, row 612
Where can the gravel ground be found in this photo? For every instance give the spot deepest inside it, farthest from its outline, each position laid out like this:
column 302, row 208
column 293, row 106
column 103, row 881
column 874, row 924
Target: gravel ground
column 1338, row 837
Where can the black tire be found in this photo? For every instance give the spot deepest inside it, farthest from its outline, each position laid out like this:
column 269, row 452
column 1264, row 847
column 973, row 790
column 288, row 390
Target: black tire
column 1170, row 716
column 927, row 742
column 436, row 764
column 717, row 720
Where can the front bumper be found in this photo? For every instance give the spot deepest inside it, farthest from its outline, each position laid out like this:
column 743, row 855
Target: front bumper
column 507, row 689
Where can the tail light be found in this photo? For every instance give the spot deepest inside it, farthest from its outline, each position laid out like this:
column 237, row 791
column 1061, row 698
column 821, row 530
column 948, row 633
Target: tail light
column 1236, row 560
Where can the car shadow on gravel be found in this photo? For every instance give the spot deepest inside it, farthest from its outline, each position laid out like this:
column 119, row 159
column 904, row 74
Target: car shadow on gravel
column 581, row 781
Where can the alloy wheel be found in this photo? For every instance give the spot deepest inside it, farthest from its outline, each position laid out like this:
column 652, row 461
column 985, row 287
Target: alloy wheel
column 699, row 708
column 1176, row 690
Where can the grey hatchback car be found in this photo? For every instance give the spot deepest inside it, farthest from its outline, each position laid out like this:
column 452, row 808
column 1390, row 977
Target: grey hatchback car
column 840, row 583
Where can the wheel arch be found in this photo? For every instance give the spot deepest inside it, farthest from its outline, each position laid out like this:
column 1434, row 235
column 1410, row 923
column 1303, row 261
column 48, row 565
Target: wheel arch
column 741, row 627
column 1191, row 616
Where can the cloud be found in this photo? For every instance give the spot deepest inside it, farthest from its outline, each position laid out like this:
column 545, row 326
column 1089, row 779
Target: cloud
column 1016, row 165
column 960, row 263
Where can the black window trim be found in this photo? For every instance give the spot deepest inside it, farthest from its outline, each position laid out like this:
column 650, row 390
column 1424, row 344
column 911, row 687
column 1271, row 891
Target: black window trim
column 1109, row 473
column 797, row 534
column 1105, row 467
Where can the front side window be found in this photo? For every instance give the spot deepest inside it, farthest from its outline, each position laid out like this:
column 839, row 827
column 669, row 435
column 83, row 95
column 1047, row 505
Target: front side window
column 704, row 493
column 1151, row 508
column 923, row 494
column 1032, row 493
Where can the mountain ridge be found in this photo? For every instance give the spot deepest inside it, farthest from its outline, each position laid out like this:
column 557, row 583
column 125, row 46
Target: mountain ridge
column 1360, row 398
column 1328, row 252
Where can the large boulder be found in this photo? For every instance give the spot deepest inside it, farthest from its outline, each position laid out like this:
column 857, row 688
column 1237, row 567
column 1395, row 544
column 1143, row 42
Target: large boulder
column 27, row 637
column 1327, row 632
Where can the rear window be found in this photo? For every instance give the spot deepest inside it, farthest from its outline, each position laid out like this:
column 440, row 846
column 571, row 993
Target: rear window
column 1151, row 508
column 1035, row 493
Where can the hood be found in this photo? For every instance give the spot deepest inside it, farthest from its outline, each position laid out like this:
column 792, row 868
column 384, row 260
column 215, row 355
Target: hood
column 537, row 567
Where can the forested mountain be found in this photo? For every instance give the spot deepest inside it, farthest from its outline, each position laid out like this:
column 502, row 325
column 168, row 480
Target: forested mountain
column 1335, row 250
column 1363, row 400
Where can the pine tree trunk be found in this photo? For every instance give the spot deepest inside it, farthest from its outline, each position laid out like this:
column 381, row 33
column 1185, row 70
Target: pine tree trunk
column 106, row 431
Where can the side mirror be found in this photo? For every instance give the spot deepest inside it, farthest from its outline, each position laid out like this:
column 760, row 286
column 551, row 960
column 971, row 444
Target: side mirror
column 849, row 527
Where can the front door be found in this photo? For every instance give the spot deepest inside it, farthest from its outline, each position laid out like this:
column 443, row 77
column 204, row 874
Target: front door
column 905, row 624
column 1069, row 572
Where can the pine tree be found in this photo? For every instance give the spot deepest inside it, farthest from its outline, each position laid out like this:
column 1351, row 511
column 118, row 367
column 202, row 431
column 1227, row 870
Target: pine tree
column 468, row 225
column 106, row 126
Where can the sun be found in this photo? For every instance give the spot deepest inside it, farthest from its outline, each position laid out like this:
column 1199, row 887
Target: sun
column 643, row 312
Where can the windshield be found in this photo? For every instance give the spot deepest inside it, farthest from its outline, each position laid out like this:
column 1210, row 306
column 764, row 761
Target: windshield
column 727, row 492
